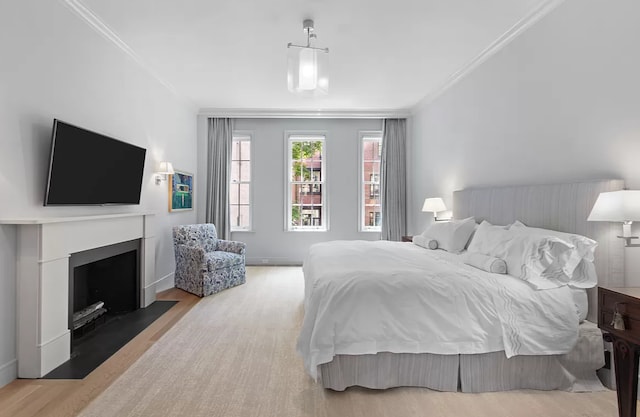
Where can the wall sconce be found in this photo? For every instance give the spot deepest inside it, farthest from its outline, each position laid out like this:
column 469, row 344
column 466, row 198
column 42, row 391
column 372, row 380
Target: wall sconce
column 434, row 205
column 164, row 169
column 618, row 206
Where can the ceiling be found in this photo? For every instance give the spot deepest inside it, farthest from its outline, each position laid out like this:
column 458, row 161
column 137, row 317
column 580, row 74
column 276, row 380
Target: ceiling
column 385, row 55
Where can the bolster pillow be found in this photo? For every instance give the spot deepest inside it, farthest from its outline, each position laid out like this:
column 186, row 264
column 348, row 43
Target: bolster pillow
column 425, row 242
column 485, row 262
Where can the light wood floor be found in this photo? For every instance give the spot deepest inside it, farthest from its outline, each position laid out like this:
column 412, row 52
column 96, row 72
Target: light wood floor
column 66, row 398
column 254, row 328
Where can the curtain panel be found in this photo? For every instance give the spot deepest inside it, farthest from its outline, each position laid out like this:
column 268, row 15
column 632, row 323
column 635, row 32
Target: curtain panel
column 393, row 179
column 218, row 174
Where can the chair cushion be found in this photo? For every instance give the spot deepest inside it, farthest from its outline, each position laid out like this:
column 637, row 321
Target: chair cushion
column 218, row 259
column 199, row 235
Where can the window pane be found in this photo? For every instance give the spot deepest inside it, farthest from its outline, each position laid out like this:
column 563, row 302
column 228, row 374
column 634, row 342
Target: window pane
column 315, row 171
column 369, row 169
column 311, row 216
column 244, row 193
column 306, row 193
column 244, row 216
column 369, row 150
column 297, row 190
column 234, row 193
column 297, row 169
column 245, row 171
column 371, row 194
column 296, row 213
column 233, row 215
column 372, row 216
column 235, row 171
column 235, row 150
column 245, row 150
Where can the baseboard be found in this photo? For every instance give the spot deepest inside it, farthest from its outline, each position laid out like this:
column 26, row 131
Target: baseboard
column 165, row 283
column 8, row 372
column 272, row 262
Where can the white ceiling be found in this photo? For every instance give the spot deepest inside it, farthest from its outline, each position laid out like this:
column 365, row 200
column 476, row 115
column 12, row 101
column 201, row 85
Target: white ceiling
column 385, row 55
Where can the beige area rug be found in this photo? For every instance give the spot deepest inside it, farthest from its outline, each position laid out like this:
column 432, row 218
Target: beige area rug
column 234, row 354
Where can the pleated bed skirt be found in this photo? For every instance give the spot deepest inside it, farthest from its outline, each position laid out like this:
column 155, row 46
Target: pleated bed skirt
column 486, row 372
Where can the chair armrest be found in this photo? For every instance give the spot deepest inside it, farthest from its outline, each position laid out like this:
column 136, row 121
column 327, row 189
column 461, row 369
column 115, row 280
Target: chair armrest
column 231, row 246
column 191, row 256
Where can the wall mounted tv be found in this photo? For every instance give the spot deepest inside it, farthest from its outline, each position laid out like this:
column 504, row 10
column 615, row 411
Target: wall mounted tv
column 87, row 168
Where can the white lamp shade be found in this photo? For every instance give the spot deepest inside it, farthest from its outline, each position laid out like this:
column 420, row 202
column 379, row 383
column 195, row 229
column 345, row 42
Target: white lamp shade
column 616, row 206
column 165, row 168
column 307, row 71
column 434, row 204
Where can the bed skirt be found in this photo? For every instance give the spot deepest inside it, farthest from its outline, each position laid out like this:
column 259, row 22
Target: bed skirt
column 573, row 371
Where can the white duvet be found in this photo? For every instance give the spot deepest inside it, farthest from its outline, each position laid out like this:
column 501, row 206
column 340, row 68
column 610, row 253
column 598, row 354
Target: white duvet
column 366, row 297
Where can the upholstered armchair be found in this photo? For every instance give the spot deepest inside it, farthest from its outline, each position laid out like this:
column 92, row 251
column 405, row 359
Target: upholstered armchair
column 205, row 264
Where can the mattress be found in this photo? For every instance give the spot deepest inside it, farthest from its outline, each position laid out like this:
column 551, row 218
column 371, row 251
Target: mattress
column 364, row 298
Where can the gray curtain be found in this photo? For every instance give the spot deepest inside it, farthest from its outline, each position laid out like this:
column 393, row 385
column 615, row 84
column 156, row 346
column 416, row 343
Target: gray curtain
column 393, row 179
column 218, row 174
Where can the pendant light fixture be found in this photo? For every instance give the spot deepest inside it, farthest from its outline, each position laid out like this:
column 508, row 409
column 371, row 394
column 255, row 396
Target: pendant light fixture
column 307, row 65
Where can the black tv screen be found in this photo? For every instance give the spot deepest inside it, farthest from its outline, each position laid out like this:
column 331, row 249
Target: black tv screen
column 87, row 168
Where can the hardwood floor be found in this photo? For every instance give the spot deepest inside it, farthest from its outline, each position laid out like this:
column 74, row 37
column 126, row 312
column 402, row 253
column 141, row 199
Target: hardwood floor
column 66, row 398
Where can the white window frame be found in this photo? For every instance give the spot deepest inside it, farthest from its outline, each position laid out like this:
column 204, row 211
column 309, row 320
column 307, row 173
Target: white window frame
column 242, row 135
column 305, row 136
column 362, row 181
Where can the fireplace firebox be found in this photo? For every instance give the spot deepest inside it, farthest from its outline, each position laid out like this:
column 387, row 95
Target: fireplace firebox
column 103, row 282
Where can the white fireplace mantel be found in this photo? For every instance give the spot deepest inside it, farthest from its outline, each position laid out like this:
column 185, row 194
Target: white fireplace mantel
column 44, row 248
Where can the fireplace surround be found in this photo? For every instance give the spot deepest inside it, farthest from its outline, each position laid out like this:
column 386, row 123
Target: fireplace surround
column 45, row 246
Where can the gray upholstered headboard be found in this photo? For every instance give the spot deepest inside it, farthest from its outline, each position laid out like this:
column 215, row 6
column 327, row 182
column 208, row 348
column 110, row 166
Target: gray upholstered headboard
column 563, row 207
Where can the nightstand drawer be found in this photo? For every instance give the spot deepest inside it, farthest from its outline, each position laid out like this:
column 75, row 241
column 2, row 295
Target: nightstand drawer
column 627, row 305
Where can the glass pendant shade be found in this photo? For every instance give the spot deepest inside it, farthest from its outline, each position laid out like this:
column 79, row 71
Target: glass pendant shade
column 307, row 71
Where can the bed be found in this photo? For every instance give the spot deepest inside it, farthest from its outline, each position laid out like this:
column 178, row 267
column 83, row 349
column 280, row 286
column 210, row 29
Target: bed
column 387, row 314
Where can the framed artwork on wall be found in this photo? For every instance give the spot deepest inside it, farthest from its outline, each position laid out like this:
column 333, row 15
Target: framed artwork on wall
column 180, row 191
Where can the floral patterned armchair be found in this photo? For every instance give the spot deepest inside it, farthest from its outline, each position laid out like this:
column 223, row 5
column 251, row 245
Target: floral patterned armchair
column 205, row 264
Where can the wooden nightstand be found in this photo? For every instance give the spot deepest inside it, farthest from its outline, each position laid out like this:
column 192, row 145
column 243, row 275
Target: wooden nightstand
column 626, row 343
column 407, row 238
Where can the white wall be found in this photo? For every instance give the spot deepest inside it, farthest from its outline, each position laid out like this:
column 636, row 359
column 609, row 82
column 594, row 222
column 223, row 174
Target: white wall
column 53, row 65
column 560, row 103
column 269, row 241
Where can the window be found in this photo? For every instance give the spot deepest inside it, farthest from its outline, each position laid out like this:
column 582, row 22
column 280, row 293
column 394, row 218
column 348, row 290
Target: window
column 306, row 197
column 240, row 187
column 370, row 152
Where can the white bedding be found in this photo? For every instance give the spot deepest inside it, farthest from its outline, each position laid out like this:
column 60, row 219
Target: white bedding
column 367, row 297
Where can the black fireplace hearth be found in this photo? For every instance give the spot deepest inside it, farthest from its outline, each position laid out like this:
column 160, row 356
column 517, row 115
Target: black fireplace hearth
column 94, row 347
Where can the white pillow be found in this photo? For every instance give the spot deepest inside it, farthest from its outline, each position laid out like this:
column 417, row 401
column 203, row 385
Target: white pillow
column 475, row 227
column 576, row 263
column 451, row 236
column 528, row 256
column 584, row 276
column 485, row 262
column 425, row 242
column 486, row 236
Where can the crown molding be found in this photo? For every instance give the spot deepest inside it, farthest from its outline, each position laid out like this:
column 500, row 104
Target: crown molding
column 523, row 24
column 91, row 19
column 304, row 114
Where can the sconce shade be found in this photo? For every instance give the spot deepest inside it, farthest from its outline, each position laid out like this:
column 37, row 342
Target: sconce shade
column 616, row 206
column 434, row 204
column 165, row 168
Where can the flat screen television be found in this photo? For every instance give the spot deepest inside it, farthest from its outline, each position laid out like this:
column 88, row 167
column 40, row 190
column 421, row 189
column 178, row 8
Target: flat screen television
column 87, row 168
